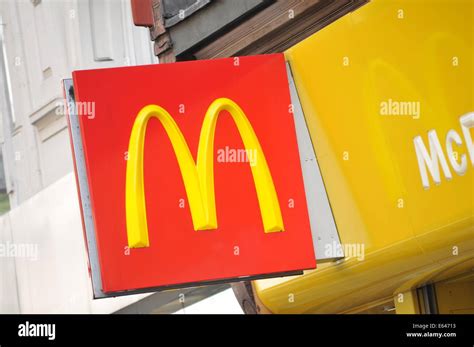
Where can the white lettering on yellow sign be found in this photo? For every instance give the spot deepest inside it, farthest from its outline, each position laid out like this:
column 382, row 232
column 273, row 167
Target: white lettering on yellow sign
column 435, row 157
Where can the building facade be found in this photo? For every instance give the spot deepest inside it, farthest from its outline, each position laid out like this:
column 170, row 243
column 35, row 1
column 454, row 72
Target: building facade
column 43, row 261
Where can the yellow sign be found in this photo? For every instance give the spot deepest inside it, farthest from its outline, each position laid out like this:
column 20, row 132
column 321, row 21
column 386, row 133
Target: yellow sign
column 198, row 177
column 387, row 92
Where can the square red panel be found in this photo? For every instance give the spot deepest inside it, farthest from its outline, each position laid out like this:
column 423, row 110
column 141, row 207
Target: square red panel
column 179, row 255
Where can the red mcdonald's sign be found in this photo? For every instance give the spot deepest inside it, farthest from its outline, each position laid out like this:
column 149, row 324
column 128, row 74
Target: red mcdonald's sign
column 188, row 173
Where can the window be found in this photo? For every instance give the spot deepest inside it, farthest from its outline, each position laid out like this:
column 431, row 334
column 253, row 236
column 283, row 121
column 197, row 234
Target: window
column 5, row 75
column 6, row 111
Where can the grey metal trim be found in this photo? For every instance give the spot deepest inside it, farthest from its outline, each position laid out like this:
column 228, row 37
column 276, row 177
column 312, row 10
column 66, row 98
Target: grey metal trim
column 323, row 225
column 82, row 181
column 211, row 22
column 169, row 301
column 186, row 12
column 430, row 300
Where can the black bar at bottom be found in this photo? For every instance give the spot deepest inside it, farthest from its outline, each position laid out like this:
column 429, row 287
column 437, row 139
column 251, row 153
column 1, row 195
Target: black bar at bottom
column 308, row 330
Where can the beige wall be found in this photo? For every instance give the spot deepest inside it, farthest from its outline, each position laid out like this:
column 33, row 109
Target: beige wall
column 48, row 273
column 44, row 43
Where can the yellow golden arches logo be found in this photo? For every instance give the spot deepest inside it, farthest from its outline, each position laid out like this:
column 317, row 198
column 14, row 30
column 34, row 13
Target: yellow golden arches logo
column 198, row 178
